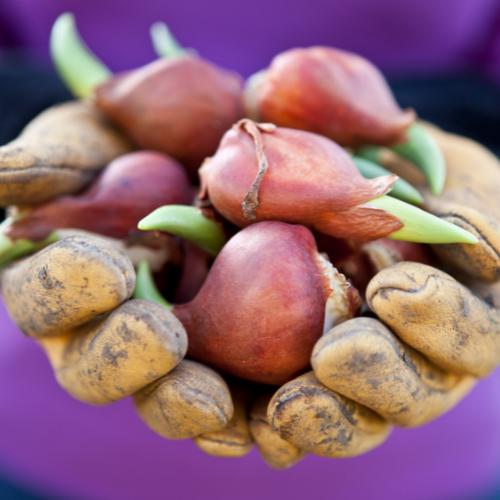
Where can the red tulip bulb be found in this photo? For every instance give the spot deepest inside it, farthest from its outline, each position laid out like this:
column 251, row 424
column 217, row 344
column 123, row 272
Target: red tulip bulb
column 262, row 172
column 129, row 188
column 267, row 298
column 331, row 92
column 180, row 106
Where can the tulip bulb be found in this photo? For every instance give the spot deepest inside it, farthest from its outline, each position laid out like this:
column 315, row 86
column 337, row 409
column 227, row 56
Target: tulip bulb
column 263, row 172
column 268, row 297
column 331, row 92
column 128, row 189
column 181, row 106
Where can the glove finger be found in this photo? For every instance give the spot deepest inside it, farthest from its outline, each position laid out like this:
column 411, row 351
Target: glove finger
column 190, row 400
column 362, row 360
column 320, row 421
column 275, row 451
column 59, row 152
column 234, row 440
column 437, row 316
column 112, row 358
column 470, row 200
column 67, row 284
column 482, row 260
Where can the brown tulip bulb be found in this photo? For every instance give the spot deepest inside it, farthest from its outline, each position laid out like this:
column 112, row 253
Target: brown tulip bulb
column 267, row 298
column 331, row 92
column 180, row 106
column 263, row 172
column 129, row 188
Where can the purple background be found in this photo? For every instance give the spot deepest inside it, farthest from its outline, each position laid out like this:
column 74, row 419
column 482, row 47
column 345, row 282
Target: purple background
column 60, row 446
column 399, row 35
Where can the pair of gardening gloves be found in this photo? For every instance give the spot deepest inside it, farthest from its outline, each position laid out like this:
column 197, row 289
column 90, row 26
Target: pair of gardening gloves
column 428, row 336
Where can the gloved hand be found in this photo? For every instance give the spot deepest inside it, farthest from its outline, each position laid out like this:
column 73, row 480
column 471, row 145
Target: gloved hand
column 443, row 335
column 73, row 298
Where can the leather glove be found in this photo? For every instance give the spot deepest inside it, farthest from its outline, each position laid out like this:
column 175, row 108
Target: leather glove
column 73, row 298
column 442, row 335
column 58, row 152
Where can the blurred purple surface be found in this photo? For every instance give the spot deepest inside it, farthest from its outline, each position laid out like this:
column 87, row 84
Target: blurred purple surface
column 399, row 35
column 63, row 447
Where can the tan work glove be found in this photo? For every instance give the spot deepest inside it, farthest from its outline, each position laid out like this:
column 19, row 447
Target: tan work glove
column 58, row 152
column 73, row 298
column 442, row 335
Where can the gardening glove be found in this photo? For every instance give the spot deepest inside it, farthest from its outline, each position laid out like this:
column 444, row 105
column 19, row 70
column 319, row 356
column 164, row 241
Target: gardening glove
column 433, row 336
column 73, row 298
column 58, row 152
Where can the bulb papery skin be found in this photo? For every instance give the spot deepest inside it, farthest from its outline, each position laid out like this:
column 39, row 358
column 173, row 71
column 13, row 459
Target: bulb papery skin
column 180, row 106
column 262, row 306
column 343, row 298
column 128, row 189
column 331, row 92
column 263, row 172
